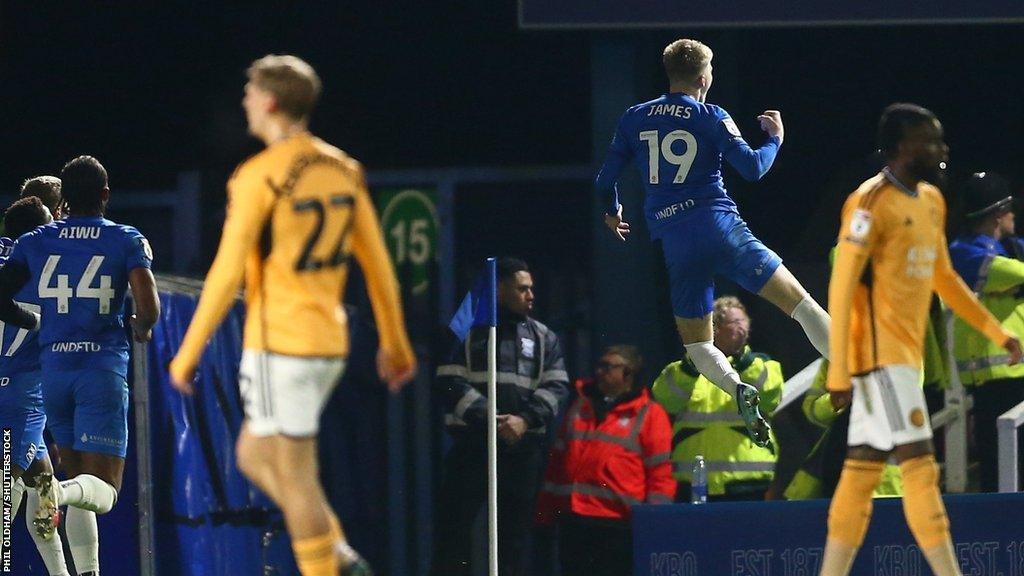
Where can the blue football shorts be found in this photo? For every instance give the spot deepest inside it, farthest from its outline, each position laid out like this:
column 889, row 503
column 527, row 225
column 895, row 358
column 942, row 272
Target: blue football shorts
column 21, row 412
column 87, row 410
column 711, row 243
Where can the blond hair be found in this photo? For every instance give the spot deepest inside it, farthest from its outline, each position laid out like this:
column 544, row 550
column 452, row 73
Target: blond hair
column 46, row 188
column 723, row 304
column 685, row 60
column 292, row 82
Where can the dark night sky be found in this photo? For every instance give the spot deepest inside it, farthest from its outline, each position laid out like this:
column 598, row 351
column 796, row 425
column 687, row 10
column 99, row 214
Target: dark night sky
column 153, row 91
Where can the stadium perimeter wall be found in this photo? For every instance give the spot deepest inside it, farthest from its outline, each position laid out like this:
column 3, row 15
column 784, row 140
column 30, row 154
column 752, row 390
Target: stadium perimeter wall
column 788, row 538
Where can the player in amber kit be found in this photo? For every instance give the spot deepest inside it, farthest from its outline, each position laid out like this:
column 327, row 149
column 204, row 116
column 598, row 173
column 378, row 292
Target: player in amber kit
column 296, row 212
column 892, row 256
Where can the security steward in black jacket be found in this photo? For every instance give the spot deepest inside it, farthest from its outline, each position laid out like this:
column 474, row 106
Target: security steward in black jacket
column 532, row 387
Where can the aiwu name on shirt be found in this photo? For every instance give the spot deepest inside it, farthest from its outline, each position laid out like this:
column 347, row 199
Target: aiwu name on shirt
column 79, row 233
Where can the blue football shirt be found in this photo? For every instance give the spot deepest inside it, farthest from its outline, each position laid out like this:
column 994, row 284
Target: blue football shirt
column 19, row 348
column 79, row 272
column 677, row 144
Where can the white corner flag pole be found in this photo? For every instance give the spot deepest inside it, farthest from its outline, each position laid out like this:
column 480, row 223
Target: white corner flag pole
column 492, row 450
column 492, row 424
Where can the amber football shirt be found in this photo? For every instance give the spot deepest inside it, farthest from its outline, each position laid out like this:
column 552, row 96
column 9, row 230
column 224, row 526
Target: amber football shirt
column 892, row 256
column 296, row 213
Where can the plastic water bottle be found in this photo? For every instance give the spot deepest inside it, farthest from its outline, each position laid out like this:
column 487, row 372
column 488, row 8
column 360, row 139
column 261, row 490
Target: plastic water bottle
column 699, row 484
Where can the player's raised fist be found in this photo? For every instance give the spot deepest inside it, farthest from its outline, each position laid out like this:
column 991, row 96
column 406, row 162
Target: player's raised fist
column 771, row 122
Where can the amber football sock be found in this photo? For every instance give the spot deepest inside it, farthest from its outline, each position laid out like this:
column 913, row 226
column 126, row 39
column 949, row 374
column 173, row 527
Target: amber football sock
column 926, row 514
column 849, row 515
column 315, row 555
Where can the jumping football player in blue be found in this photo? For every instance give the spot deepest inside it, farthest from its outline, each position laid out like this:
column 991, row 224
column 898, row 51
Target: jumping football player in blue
column 677, row 142
column 21, row 395
column 80, row 269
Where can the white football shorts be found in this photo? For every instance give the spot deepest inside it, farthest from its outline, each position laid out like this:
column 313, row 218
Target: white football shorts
column 286, row 394
column 889, row 409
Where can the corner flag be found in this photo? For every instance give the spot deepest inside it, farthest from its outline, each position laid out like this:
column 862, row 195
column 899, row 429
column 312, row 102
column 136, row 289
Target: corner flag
column 479, row 307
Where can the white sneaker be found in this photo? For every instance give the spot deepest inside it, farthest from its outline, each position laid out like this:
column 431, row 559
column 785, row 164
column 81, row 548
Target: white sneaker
column 48, row 515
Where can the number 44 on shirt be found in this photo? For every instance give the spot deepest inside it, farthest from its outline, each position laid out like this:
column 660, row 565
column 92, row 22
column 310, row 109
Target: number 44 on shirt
column 104, row 293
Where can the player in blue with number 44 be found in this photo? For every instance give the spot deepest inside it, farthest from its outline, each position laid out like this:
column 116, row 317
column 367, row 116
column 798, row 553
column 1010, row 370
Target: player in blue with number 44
column 80, row 269
column 677, row 142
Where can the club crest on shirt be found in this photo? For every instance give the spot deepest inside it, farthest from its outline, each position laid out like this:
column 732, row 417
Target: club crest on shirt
column 528, row 346
column 860, row 226
column 917, row 417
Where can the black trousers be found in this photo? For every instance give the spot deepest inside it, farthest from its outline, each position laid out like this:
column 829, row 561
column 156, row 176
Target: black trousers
column 463, row 496
column 991, row 399
column 595, row 547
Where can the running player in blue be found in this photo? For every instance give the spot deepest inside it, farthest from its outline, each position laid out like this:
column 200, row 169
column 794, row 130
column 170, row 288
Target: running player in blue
column 80, row 269
column 21, row 396
column 677, row 142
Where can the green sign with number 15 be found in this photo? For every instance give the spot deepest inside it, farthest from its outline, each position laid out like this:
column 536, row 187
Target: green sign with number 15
column 408, row 218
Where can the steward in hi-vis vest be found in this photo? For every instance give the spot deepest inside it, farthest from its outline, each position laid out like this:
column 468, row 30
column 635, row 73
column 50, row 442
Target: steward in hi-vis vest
column 704, row 418
column 988, row 258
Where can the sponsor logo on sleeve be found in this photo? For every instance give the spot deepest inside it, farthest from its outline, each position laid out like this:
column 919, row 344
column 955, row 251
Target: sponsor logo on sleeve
column 731, row 127
column 146, row 249
column 860, row 227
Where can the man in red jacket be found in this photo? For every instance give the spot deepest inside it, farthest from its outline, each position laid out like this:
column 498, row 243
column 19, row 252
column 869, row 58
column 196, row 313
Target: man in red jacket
column 612, row 452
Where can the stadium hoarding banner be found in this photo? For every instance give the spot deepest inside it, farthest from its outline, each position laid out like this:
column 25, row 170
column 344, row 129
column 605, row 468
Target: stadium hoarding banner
column 615, row 14
column 788, row 538
column 207, row 519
